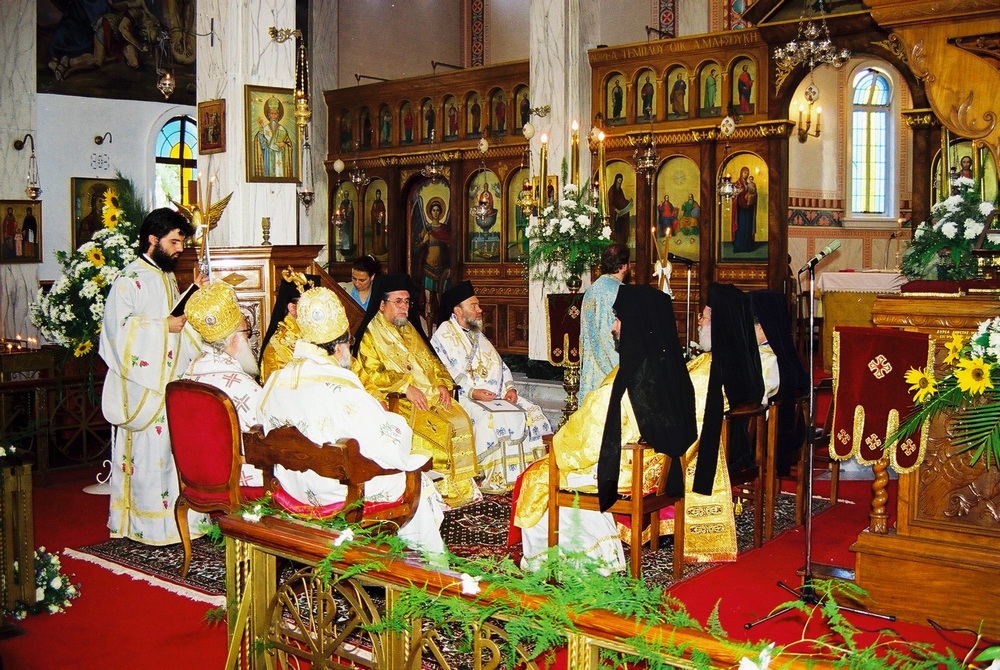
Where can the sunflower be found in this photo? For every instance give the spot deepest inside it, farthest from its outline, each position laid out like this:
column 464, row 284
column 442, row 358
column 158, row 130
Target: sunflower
column 83, row 349
column 954, row 347
column 96, row 257
column 973, row 376
column 921, row 382
column 112, row 214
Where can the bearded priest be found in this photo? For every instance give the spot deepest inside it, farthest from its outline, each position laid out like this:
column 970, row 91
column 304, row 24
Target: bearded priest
column 144, row 347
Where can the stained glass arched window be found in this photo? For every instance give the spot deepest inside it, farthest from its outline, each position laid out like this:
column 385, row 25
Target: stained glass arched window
column 176, row 164
column 872, row 130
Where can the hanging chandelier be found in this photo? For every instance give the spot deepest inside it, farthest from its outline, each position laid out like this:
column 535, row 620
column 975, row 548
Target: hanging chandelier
column 726, row 188
column 357, row 175
column 812, row 44
column 433, row 170
column 646, row 158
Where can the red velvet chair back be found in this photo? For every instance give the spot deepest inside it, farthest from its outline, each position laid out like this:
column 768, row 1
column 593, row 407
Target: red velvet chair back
column 205, row 438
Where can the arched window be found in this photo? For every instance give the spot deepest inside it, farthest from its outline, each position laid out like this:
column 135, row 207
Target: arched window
column 872, row 133
column 175, row 160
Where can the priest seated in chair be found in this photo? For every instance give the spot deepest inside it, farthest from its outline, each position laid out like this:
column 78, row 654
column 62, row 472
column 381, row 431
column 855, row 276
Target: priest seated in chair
column 394, row 360
column 652, row 396
column 319, row 394
column 508, row 429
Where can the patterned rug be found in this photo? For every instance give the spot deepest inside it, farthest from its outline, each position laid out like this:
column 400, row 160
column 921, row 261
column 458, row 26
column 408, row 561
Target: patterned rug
column 478, row 530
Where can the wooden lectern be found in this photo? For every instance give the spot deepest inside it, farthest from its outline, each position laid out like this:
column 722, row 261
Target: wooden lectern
column 255, row 273
column 942, row 559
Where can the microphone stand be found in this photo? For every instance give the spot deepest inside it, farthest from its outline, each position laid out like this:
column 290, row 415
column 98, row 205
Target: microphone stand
column 807, row 592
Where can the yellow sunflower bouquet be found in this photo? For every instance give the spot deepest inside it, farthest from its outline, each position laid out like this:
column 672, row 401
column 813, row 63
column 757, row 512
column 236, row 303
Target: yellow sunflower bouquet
column 69, row 314
column 967, row 390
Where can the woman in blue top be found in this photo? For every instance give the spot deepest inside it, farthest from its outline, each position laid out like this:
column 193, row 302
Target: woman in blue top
column 363, row 271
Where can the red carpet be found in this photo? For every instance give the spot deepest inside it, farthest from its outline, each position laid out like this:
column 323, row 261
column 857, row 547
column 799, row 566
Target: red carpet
column 120, row 623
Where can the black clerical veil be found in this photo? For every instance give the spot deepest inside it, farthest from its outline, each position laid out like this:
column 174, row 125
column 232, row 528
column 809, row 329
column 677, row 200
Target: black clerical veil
column 771, row 310
column 381, row 285
column 288, row 293
column 652, row 370
column 735, row 369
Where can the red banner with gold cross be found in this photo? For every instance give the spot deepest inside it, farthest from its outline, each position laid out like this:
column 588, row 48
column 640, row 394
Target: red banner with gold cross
column 870, row 396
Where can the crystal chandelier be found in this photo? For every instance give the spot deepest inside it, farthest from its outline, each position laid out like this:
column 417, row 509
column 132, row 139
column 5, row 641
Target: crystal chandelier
column 812, row 44
column 166, row 83
column 646, row 158
column 357, row 175
column 433, row 170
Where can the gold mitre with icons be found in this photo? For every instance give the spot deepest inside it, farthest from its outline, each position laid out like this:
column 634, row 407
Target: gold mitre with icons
column 213, row 311
column 321, row 316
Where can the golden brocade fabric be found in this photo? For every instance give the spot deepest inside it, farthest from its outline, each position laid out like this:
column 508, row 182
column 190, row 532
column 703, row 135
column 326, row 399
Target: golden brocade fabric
column 279, row 348
column 391, row 359
column 710, row 525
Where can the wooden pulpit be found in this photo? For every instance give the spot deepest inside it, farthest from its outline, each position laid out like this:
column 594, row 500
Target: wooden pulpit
column 255, row 273
column 942, row 559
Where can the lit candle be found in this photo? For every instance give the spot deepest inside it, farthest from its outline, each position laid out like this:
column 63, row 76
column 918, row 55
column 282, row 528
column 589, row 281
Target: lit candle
column 801, row 109
column 543, row 160
column 600, row 174
column 819, row 111
column 575, row 156
column 945, row 163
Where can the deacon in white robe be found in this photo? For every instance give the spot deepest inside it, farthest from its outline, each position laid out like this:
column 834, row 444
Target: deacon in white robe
column 226, row 360
column 507, row 429
column 144, row 348
column 319, row 394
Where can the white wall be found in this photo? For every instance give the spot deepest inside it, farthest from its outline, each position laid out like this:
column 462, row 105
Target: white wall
column 396, row 38
column 507, row 30
column 65, row 142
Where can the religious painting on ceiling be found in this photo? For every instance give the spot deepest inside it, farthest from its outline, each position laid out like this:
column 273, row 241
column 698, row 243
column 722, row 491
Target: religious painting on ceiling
column 429, row 223
column 483, row 196
column 677, row 101
column 678, row 213
column 711, row 94
column 344, row 237
column 616, row 100
column 744, row 94
column 742, row 234
column 619, row 203
column 116, row 50
column 376, row 224
column 517, row 220
column 646, row 96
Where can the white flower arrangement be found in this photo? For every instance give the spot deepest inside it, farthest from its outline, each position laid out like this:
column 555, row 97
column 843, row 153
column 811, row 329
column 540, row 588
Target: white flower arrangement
column 7, row 450
column 53, row 590
column 70, row 314
column 569, row 233
column 942, row 247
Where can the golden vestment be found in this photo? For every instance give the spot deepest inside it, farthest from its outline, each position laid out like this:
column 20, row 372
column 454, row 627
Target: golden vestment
column 279, row 348
column 390, row 360
column 710, row 525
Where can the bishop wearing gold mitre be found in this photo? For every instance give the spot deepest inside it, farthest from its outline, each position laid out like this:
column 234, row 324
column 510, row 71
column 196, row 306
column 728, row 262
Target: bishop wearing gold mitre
column 393, row 356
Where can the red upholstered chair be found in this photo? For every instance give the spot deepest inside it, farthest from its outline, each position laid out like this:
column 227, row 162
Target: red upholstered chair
column 205, row 440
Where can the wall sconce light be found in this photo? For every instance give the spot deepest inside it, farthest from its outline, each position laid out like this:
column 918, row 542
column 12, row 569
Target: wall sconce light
column 99, row 139
column 541, row 112
column 166, row 83
column 32, row 190
column 811, row 95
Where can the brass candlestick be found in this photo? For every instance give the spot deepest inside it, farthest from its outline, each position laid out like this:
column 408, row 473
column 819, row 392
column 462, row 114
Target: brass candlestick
column 265, row 227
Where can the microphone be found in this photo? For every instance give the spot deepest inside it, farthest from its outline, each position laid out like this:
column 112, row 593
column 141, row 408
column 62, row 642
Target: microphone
column 824, row 252
column 680, row 259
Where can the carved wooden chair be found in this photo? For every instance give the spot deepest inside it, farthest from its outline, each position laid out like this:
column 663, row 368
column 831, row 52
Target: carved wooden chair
column 643, row 510
column 343, row 461
column 205, row 441
column 753, row 481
